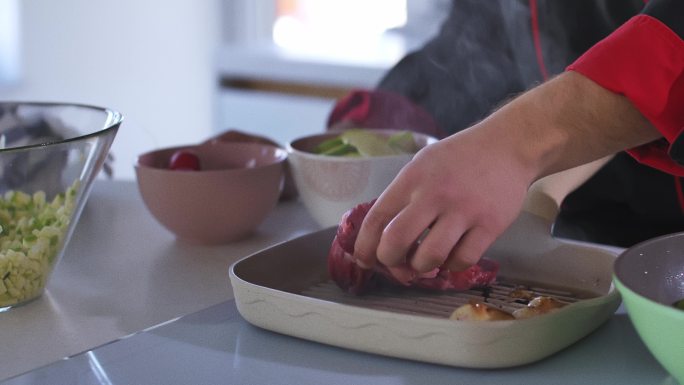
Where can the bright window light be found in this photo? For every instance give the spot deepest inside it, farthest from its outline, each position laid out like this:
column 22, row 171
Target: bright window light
column 9, row 41
column 339, row 28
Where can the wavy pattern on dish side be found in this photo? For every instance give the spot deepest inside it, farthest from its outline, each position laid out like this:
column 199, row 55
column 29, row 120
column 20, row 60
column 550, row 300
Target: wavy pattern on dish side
column 348, row 327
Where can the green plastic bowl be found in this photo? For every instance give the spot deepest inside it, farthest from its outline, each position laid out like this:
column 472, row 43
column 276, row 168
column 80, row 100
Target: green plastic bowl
column 650, row 278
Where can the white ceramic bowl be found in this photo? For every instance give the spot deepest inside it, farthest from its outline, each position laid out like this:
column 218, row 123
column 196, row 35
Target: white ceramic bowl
column 330, row 185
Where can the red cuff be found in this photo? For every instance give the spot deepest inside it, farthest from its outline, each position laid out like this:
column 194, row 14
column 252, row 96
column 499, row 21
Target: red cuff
column 382, row 109
column 644, row 60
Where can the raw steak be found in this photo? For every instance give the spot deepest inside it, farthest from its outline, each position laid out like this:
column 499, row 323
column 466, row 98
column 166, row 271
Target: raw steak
column 352, row 278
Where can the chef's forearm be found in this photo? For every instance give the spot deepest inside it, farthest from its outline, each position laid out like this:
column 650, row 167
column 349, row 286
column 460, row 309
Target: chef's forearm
column 566, row 122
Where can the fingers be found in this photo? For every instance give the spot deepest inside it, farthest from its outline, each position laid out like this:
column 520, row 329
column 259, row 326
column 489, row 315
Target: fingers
column 379, row 216
column 469, row 249
column 438, row 243
column 369, row 237
column 450, row 241
column 401, row 234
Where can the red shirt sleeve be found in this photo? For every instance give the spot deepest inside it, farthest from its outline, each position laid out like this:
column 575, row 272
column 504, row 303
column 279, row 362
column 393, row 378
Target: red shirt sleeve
column 644, row 60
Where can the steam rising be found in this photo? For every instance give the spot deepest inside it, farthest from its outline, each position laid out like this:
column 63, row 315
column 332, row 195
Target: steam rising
column 485, row 54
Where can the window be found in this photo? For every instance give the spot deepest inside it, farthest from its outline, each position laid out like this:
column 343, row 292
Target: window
column 362, row 31
column 9, row 41
column 340, row 29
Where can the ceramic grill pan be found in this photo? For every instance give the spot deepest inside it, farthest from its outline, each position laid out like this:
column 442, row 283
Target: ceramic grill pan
column 286, row 289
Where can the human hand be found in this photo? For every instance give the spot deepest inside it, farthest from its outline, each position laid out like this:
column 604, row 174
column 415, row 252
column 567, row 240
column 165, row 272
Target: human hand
column 455, row 197
column 458, row 195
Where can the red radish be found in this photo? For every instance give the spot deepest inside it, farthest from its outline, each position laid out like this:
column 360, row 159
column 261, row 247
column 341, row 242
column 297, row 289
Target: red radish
column 184, row 160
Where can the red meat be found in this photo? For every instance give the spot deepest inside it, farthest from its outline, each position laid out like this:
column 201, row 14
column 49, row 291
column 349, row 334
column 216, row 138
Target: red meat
column 352, row 278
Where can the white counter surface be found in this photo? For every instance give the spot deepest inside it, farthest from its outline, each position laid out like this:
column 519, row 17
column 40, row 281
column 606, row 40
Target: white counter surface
column 125, row 276
column 217, row 346
column 123, row 272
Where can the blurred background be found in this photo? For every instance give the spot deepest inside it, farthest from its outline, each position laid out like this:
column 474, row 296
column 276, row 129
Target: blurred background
column 183, row 70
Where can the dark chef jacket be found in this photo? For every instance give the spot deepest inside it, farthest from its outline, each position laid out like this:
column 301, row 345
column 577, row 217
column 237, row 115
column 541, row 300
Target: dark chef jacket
column 488, row 51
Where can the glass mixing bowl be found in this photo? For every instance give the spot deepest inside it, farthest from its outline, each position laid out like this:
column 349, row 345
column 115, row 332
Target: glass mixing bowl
column 50, row 153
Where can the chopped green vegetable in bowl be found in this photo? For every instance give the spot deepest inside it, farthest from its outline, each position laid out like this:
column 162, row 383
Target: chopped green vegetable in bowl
column 32, row 231
column 364, row 143
column 50, row 155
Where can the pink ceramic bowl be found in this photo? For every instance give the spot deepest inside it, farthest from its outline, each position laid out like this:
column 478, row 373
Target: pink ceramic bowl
column 238, row 186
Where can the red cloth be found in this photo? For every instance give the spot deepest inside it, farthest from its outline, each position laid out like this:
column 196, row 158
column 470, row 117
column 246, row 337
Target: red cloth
column 382, row 109
column 644, row 60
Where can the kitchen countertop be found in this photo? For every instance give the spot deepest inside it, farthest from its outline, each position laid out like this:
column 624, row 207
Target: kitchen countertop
column 123, row 272
column 137, row 307
column 217, row 346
